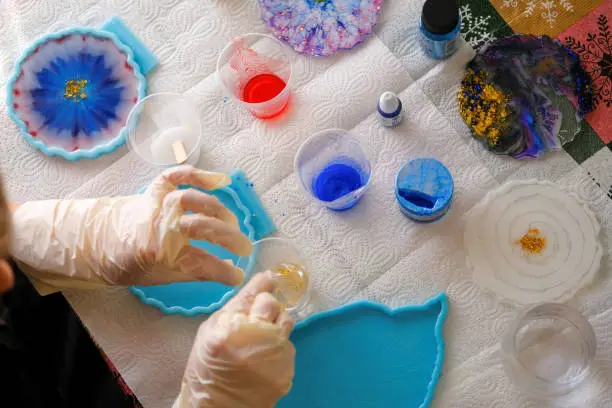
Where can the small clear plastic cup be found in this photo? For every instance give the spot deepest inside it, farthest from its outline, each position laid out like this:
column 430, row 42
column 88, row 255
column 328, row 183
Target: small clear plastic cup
column 249, row 66
column 289, row 268
column 157, row 122
column 548, row 350
column 314, row 161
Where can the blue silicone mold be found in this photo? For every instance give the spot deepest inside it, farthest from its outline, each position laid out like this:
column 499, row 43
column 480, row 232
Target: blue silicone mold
column 365, row 355
column 144, row 57
column 193, row 298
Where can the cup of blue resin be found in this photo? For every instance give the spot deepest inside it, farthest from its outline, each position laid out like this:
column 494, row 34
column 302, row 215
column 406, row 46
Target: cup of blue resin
column 424, row 190
column 334, row 169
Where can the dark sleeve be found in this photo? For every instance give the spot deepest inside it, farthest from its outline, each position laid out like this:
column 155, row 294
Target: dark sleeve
column 48, row 359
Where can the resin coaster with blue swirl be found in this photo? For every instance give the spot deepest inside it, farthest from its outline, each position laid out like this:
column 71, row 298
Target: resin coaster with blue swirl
column 72, row 91
column 366, row 355
column 525, row 95
column 193, row 298
column 320, row 27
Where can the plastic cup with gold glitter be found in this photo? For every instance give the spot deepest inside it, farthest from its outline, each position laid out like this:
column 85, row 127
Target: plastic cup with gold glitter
column 288, row 267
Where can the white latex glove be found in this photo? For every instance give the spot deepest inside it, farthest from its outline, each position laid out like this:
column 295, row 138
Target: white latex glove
column 242, row 356
column 136, row 240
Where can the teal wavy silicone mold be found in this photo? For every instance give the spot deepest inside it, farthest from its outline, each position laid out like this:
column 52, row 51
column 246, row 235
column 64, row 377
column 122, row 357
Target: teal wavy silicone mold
column 98, row 150
column 365, row 355
column 193, row 298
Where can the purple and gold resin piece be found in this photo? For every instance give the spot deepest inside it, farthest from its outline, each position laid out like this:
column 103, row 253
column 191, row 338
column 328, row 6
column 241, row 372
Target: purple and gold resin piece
column 320, row 27
column 525, row 95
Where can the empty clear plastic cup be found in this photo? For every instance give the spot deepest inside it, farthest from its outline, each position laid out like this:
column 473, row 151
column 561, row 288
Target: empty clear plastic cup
column 548, row 350
column 334, row 169
column 256, row 70
column 163, row 127
column 289, row 268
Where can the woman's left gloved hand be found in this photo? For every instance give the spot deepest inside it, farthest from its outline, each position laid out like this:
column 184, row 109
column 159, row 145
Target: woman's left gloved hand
column 136, row 240
column 241, row 356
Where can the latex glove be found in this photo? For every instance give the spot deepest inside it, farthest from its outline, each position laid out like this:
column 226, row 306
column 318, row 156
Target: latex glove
column 136, row 240
column 242, row 356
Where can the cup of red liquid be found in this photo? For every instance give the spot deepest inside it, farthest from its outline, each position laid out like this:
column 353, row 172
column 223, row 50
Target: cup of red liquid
column 256, row 70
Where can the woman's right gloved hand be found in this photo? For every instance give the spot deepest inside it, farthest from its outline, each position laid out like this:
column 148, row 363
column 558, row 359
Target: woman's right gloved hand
column 242, row 356
column 142, row 239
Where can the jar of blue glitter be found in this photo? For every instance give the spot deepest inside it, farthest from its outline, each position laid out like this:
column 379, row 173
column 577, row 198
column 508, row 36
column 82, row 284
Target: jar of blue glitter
column 424, row 190
column 440, row 28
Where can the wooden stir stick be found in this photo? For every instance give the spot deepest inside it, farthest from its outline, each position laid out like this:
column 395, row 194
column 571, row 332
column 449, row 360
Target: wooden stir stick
column 180, row 155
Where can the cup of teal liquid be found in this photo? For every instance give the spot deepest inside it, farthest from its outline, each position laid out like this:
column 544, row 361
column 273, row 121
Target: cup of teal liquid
column 334, row 169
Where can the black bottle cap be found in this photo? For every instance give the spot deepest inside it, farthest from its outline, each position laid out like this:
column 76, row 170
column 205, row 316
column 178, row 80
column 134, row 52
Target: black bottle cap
column 440, row 16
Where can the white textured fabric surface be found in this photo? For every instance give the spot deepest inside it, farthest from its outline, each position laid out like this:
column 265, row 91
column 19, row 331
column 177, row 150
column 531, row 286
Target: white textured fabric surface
column 371, row 252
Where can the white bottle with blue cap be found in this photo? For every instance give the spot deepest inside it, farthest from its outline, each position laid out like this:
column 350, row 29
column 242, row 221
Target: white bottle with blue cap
column 390, row 111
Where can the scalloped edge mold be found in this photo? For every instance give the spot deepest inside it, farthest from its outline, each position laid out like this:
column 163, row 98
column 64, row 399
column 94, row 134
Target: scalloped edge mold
column 257, row 223
column 140, row 52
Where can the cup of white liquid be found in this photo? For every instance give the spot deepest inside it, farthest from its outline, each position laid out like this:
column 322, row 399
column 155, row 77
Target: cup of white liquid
column 164, row 129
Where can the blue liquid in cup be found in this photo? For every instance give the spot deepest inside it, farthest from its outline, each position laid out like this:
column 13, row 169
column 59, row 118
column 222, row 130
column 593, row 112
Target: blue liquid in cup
column 337, row 180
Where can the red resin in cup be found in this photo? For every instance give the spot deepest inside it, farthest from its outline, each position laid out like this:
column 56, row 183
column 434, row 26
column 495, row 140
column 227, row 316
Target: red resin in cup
column 256, row 70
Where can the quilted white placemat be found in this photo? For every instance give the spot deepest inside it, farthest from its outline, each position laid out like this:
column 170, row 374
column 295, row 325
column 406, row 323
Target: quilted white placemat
column 371, row 252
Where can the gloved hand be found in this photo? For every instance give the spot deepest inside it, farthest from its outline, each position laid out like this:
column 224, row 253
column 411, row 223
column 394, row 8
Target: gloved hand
column 242, row 356
column 136, row 240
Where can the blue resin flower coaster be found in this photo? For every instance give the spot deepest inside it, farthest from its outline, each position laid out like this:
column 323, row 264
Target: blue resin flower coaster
column 320, row 27
column 367, row 355
column 193, row 298
column 72, row 91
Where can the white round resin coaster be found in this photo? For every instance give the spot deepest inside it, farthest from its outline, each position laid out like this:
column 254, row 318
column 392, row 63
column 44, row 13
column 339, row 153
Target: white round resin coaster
column 530, row 242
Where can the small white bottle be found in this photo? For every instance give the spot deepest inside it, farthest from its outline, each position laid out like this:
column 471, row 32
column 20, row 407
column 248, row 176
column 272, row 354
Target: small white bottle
column 390, row 112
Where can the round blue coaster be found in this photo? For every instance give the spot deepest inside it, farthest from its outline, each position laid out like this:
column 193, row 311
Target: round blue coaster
column 61, row 116
column 193, row 298
column 424, row 189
